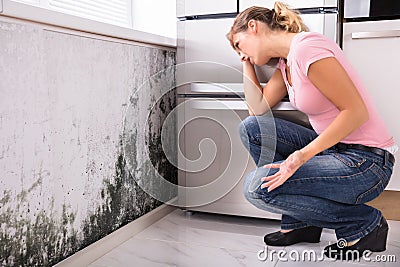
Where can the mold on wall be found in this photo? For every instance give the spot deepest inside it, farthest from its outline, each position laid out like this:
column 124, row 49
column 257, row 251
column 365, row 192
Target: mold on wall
column 77, row 116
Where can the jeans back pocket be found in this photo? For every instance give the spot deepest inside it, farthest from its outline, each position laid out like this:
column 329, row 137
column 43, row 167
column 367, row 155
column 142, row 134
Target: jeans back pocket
column 371, row 193
column 350, row 159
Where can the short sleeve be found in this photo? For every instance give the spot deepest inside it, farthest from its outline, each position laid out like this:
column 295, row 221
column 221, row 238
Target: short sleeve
column 310, row 50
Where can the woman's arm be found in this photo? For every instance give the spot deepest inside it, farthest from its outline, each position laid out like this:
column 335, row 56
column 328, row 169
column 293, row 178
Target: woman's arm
column 332, row 80
column 260, row 100
column 334, row 83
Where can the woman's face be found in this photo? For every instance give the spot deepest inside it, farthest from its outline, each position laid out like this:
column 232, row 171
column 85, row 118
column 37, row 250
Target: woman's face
column 244, row 46
column 249, row 44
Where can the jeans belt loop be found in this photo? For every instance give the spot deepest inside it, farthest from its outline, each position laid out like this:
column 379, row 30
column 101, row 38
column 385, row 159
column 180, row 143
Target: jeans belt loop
column 386, row 164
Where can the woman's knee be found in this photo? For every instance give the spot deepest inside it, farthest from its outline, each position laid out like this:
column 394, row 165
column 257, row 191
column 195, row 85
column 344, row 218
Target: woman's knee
column 244, row 128
column 252, row 183
column 258, row 197
column 250, row 130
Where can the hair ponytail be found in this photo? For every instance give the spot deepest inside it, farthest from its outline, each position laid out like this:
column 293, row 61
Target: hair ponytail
column 288, row 19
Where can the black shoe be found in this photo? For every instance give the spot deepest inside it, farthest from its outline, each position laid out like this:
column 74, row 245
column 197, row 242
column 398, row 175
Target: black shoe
column 375, row 241
column 310, row 234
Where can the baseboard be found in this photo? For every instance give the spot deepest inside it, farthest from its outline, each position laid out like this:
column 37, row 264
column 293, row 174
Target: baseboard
column 389, row 203
column 96, row 250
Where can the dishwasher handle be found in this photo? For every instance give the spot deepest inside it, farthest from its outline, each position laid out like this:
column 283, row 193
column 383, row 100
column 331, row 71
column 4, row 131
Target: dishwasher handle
column 375, row 34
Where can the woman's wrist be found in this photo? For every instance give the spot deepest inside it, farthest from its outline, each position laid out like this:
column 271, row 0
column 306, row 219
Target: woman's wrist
column 249, row 73
column 248, row 64
column 308, row 152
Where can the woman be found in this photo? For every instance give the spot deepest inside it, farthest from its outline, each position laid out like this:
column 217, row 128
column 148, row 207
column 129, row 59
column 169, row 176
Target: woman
column 320, row 177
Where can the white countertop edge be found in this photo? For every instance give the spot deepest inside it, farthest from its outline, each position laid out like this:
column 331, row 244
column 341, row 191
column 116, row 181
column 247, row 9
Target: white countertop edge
column 204, row 87
column 54, row 18
column 231, row 88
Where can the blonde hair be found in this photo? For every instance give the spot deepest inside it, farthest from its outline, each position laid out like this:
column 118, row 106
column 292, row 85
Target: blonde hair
column 281, row 17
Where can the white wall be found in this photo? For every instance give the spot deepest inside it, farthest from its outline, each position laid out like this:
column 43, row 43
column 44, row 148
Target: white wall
column 155, row 16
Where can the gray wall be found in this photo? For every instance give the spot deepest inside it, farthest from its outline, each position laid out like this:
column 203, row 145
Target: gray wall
column 77, row 114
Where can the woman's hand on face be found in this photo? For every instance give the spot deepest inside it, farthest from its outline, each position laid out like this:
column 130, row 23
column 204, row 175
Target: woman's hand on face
column 286, row 170
column 246, row 60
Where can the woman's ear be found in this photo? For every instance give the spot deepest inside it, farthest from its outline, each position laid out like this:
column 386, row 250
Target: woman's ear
column 252, row 25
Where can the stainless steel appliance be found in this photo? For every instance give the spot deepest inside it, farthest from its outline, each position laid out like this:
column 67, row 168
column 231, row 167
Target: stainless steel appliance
column 210, row 94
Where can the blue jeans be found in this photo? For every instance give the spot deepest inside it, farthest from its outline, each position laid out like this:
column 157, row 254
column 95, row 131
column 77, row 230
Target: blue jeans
column 328, row 191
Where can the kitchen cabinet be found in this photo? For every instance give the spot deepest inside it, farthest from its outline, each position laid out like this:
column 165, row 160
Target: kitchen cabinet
column 373, row 49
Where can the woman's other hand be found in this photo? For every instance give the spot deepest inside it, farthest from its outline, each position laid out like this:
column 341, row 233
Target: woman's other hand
column 286, row 170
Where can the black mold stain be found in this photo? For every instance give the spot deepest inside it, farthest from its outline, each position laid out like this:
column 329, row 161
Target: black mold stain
column 123, row 200
column 41, row 242
column 158, row 113
column 153, row 141
column 46, row 241
column 119, row 196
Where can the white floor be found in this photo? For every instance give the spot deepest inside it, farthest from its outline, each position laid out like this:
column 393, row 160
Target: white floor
column 206, row 240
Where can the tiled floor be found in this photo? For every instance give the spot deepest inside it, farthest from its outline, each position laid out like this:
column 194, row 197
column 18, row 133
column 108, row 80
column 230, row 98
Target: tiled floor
column 201, row 239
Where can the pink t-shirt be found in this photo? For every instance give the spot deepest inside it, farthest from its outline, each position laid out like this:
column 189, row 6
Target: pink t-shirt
column 306, row 48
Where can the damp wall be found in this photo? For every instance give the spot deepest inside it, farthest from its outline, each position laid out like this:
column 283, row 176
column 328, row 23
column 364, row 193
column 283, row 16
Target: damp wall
column 80, row 137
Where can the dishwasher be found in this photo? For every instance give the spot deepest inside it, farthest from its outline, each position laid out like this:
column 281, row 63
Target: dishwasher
column 212, row 158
